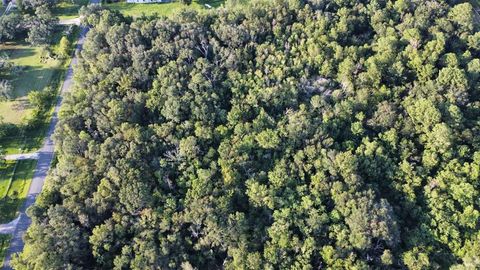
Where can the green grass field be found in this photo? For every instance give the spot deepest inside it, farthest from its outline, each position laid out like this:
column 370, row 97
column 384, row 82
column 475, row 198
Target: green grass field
column 12, row 145
column 27, row 143
column 164, row 9
column 18, row 190
column 4, row 243
column 34, row 75
column 136, row 10
column 69, row 10
column 6, row 171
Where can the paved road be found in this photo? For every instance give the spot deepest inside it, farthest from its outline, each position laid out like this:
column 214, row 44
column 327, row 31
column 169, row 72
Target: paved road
column 9, row 6
column 75, row 21
column 45, row 157
column 22, row 156
column 9, row 228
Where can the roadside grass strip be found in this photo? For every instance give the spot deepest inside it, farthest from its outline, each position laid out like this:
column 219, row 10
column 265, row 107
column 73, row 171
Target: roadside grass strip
column 6, row 175
column 18, row 190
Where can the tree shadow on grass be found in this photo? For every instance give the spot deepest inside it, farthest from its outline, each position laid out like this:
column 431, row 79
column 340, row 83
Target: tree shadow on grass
column 21, row 105
column 6, row 173
column 11, row 204
column 33, row 78
column 14, row 52
column 34, row 139
column 67, row 10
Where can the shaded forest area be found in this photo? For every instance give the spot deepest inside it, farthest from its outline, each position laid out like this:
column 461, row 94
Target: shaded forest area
column 293, row 134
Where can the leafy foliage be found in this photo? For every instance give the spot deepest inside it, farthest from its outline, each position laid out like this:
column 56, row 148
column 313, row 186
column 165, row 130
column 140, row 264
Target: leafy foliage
column 35, row 18
column 64, row 47
column 9, row 26
column 278, row 135
column 40, row 26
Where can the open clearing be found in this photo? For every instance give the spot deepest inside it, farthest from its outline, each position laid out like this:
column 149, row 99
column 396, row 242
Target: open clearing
column 162, row 9
column 34, row 75
column 68, row 10
column 25, row 143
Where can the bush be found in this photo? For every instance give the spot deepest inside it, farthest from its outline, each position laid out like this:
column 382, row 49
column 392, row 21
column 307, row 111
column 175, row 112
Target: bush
column 41, row 100
column 34, row 120
column 63, row 50
column 46, row 54
column 8, row 129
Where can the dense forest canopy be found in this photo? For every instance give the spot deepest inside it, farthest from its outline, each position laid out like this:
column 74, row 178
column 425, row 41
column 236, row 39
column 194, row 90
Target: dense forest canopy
column 337, row 134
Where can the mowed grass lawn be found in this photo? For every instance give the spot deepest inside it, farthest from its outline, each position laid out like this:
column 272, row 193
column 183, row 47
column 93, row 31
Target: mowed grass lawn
column 24, row 143
column 18, row 191
column 6, row 172
column 12, row 145
column 35, row 75
column 161, row 9
column 4, row 243
column 69, row 10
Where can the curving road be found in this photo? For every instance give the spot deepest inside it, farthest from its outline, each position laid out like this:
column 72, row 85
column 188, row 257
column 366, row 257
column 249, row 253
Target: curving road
column 9, row 228
column 45, row 156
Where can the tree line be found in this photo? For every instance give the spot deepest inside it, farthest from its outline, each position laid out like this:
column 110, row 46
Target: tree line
column 294, row 134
